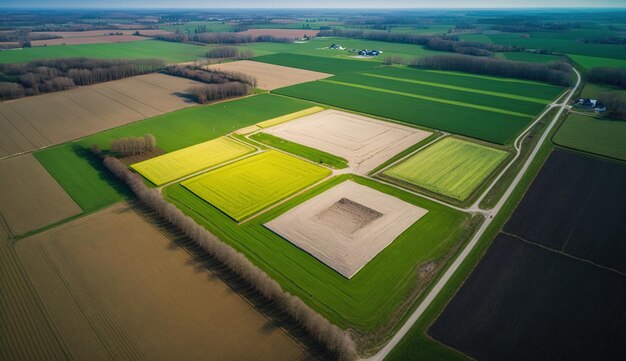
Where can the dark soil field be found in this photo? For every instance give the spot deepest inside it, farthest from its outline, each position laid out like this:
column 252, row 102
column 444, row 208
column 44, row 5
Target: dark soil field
column 576, row 205
column 552, row 285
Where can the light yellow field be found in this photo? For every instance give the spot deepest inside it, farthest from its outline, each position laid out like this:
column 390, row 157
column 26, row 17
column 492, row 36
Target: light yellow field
column 245, row 187
column 174, row 165
column 285, row 118
column 114, row 287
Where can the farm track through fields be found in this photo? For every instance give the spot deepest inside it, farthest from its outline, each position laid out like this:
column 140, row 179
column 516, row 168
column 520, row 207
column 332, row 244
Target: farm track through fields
column 437, row 288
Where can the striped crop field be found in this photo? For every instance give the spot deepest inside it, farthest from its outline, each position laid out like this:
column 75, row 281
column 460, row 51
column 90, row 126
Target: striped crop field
column 245, row 187
column 174, row 165
column 451, row 167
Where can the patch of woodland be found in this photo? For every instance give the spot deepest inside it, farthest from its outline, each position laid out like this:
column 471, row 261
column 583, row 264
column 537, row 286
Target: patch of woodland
column 130, row 146
column 219, row 84
column 221, row 38
column 614, row 102
column 229, row 52
column 557, row 73
column 337, row 341
column 51, row 75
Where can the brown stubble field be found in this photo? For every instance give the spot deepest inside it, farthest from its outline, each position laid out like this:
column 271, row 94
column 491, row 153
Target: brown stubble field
column 35, row 122
column 270, row 76
column 29, row 197
column 115, row 287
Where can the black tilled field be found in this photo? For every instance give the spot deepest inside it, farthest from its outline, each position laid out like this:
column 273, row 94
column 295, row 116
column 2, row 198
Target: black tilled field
column 577, row 204
column 552, row 285
column 523, row 302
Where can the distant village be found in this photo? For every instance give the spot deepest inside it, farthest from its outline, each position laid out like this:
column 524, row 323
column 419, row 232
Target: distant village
column 362, row 52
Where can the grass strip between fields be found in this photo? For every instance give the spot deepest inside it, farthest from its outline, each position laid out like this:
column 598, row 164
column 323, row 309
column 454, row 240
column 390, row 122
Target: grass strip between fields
column 285, row 118
column 312, row 154
column 424, row 97
column 469, row 90
column 506, row 80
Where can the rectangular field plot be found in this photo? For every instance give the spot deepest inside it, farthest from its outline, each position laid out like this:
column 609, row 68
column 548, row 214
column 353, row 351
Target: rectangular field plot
column 271, row 76
column 363, row 141
column 347, row 225
column 287, row 117
column 451, row 167
column 245, row 187
column 174, row 165
column 593, row 135
column 113, row 286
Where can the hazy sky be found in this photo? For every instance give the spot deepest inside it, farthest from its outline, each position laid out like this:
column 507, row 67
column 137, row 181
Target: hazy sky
column 311, row 3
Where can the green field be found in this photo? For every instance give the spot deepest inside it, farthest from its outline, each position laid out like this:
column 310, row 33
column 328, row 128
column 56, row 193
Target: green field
column 84, row 179
column 168, row 167
column 592, row 90
column 318, row 47
column 588, row 62
column 593, row 135
column 300, row 150
column 245, row 187
column 531, row 57
column 316, row 63
column 169, row 52
column 490, row 126
column 370, row 298
column 451, row 167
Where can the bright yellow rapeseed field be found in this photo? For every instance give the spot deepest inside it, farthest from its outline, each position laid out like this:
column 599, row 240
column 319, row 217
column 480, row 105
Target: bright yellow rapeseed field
column 177, row 164
column 288, row 117
column 245, row 187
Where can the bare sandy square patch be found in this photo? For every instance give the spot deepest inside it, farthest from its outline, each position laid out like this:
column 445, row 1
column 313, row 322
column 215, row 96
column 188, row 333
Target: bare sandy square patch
column 364, row 142
column 346, row 226
column 270, row 76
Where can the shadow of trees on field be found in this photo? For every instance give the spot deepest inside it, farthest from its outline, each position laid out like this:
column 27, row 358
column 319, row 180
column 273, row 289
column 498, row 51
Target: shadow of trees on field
column 202, row 261
column 104, row 174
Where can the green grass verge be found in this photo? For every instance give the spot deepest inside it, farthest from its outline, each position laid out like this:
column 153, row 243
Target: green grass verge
column 87, row 183
column 490, row 126
column 451, row 167
column 371, row 298
column 168, row 51
column 599, row 136
column 300, row 150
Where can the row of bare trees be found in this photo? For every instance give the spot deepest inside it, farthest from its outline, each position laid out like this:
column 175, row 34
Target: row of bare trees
column 212, row 92
column 615, row 104
column 209, row 76
column 133, row 145
column 44, row 76
column 229, row 52
column 336, row 340
column 221, row 38
column 607, row 75
column 558, row 73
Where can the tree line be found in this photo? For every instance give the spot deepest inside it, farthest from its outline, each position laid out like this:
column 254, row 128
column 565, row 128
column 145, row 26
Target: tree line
column 557, row 73
column 229, row 52
column 44, row 76
column 220, row 84
column 442, row 43
column 615, row 104
column 333, row 338
column 133, row 145
column 220, row 38
column 608, row 76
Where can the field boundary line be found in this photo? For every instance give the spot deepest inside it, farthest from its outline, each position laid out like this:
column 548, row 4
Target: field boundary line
column 549, row 249
column 465, row 89
column 432, row 99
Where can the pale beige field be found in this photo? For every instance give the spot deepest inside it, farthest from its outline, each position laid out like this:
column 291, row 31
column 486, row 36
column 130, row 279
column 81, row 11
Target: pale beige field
column 34, row 122
column 88, row 40
column 270, row 76
column 346, row 226
column 364, row 142
column 25, row 334
column 117, row 288
column 29, row 197
column 281, row 33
